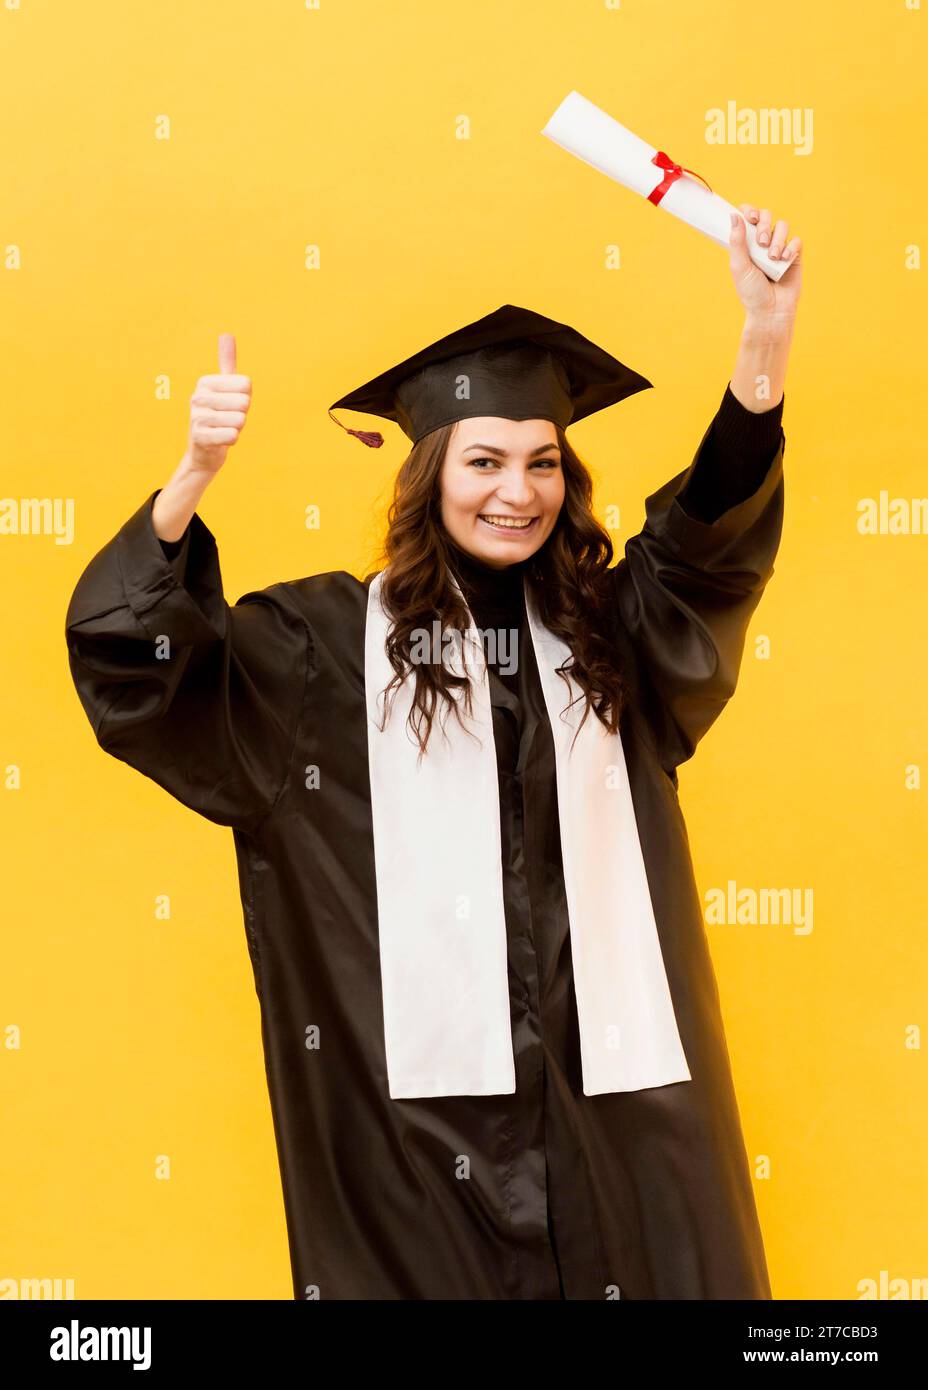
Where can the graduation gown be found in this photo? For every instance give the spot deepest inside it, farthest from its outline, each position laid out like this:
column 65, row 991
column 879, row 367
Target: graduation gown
column 257, row 722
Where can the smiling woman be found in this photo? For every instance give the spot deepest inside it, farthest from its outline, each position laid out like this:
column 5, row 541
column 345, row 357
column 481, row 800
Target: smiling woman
column 495, row 1052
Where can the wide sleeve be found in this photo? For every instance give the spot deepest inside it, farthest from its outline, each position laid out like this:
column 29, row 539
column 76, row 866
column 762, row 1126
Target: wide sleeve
column 202, row 697
column 691, row 579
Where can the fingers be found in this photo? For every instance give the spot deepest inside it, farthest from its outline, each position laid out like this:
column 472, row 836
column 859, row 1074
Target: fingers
column 236, row 383
column 778, row 239
column 792, row 248
column 763, row 227
column 214, row 409
column 226, row 354
column 215, row 398
column 761, row 220
column 205, row 436
column 782, row 247
column 223, row 419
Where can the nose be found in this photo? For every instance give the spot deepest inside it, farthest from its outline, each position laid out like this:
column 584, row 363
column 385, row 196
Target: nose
column 516, row 490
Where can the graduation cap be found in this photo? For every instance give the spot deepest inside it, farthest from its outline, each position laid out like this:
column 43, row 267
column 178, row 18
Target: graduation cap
column 513, row 363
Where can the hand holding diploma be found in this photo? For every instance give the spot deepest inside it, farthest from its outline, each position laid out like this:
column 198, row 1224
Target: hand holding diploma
column 769, row 302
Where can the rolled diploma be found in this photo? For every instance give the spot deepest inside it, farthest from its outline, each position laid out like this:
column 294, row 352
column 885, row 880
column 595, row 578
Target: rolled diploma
column 581, row 128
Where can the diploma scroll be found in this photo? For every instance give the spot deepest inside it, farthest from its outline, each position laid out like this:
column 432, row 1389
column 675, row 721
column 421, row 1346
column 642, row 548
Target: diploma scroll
column 581, row 128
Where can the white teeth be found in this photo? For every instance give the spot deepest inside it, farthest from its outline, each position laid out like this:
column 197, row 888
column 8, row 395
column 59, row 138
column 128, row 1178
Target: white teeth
column 513, row 523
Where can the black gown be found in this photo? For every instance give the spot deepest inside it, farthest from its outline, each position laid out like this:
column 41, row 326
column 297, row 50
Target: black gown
column 257, row 721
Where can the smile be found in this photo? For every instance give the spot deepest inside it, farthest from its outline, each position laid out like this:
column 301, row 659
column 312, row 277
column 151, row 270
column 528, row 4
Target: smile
column 509, row 524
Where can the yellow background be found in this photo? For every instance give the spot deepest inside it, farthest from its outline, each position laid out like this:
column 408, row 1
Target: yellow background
column 336, row 128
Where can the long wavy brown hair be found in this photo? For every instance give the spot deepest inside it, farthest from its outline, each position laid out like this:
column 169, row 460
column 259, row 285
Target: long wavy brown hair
column 564, row 573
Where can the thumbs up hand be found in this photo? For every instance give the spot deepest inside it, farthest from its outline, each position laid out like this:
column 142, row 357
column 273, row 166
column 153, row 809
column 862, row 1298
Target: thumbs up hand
column 218, row 411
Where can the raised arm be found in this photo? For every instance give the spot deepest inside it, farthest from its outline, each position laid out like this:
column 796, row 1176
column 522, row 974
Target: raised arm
column 687, row 587
column 201, row 697
column 691, row 579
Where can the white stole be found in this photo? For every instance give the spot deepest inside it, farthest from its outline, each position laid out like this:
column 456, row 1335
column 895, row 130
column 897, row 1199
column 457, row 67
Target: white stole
column 438, row 861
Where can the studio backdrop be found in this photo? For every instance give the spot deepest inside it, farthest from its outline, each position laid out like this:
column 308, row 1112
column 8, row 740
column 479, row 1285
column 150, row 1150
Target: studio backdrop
column 336, row 184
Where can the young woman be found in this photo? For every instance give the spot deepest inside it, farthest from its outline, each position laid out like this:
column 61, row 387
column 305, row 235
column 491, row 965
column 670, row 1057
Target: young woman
column 494, row 1048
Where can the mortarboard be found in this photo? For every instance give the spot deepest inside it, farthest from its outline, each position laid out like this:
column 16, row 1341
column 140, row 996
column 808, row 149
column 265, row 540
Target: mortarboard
column 513, row 363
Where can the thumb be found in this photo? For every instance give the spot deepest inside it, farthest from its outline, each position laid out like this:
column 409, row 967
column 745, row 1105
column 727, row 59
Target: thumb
column 226, row 353
column 738, row 244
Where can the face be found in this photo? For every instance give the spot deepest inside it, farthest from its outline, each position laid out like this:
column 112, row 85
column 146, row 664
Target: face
column 502, row 487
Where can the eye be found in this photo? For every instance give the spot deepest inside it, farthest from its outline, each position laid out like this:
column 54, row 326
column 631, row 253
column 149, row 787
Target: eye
column 547, row 463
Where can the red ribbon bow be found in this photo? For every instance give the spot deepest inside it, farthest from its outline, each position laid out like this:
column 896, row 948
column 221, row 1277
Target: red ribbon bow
column 673, row 172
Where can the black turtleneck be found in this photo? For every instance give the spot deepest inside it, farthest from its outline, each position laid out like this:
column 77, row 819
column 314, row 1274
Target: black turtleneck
column 494, row 596
column 496, row 601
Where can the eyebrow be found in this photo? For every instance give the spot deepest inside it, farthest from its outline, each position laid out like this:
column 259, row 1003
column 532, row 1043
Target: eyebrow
column 492, row 449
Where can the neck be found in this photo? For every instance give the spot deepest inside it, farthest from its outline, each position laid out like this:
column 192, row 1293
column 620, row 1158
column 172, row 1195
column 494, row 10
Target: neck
column 485, row 587
column 474, row 565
